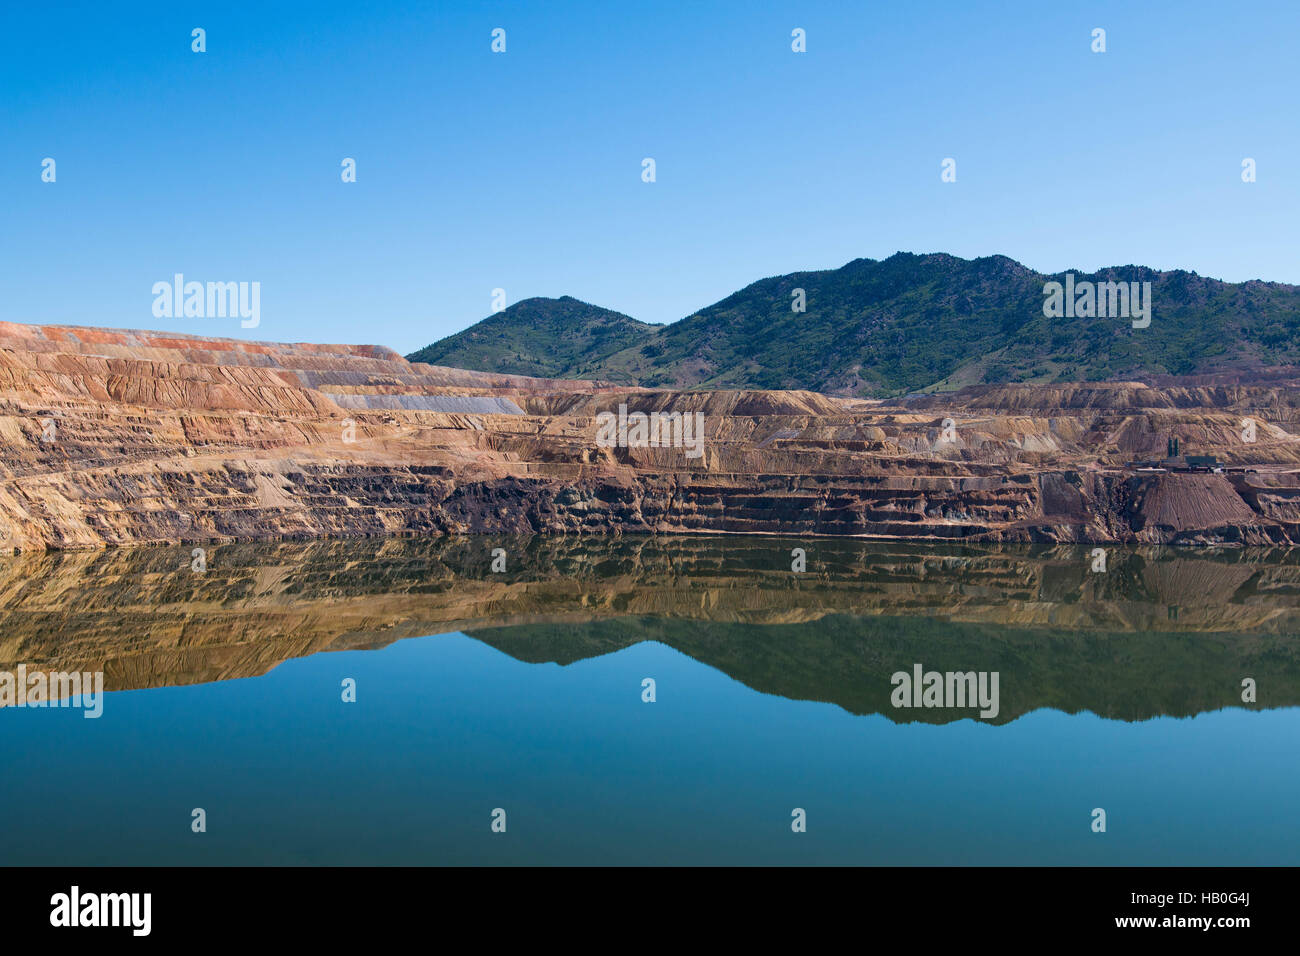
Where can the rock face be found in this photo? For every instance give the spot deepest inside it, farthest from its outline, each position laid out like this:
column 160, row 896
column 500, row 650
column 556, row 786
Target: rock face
column 112, row 437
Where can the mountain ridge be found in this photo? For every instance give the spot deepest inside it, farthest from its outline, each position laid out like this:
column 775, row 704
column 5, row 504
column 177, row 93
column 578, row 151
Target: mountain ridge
column 889, row 327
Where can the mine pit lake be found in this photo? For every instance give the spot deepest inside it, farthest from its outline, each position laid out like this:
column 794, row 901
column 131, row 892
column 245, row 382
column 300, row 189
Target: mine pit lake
column 519, row 697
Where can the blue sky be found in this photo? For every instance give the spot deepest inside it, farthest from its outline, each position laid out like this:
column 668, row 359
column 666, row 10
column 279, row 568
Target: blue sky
column 522, row 170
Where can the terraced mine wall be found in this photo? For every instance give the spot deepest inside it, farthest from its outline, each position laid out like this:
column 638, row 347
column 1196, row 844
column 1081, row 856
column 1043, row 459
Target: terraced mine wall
column 116, row 438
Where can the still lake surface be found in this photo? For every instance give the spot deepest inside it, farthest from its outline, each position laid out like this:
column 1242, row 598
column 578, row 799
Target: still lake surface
column 1120, row 690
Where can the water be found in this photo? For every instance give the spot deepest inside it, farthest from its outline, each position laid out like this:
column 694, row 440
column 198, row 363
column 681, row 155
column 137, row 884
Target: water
column 1118, row 691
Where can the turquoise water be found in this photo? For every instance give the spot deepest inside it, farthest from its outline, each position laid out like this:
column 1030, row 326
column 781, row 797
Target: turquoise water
column 445, row 729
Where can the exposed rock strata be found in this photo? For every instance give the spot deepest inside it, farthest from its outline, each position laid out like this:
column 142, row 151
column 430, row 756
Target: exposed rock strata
column 113, row 438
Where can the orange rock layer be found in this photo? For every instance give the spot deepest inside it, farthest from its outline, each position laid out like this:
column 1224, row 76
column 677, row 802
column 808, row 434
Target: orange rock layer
column 115, row 437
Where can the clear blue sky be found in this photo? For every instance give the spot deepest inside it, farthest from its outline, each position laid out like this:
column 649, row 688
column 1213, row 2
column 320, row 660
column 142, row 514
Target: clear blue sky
column 523, row 170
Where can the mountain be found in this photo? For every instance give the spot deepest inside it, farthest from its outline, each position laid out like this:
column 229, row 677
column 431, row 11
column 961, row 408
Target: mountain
column 903, row 324
column 544, row 338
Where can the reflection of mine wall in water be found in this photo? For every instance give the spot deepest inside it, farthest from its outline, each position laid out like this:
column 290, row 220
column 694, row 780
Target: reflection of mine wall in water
column 1162, row 631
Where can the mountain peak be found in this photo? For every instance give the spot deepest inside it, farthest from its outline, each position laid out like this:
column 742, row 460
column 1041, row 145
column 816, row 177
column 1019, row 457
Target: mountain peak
column 539, row 336
column 911, row 322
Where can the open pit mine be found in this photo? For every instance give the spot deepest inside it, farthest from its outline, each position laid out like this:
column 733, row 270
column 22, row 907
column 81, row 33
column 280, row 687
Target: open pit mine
column 117, row 437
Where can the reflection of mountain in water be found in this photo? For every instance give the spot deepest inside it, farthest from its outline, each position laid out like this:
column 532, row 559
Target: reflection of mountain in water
column 1160, row 632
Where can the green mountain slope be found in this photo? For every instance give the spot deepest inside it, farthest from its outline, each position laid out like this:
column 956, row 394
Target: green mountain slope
column 903, row 324
column 548, row 338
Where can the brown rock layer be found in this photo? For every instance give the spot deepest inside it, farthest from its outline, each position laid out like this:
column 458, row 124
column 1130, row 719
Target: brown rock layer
column 112, row 437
